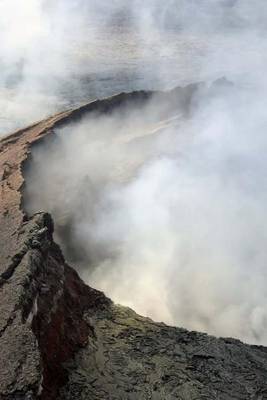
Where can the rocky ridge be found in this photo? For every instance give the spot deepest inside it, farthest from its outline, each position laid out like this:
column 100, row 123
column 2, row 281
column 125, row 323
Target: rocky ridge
column 60, row 339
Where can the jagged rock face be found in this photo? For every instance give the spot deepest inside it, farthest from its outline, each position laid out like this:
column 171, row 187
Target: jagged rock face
column 42, row 307
column 60, row 339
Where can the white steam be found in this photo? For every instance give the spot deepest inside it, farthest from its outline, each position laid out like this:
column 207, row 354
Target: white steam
column 166, row 215
column 56, row 54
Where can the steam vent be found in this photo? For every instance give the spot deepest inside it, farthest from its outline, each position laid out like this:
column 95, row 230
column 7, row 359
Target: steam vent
column 62, row 339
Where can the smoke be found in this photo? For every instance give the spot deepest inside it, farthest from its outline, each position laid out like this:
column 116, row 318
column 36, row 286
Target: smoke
column 59, row 54
column 46, row 49
column 164, row 211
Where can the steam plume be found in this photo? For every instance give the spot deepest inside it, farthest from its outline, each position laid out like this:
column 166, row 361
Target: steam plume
column 58, row 54
column 166, row 215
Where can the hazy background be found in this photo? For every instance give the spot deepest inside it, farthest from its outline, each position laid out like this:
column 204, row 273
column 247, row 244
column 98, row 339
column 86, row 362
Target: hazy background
column 167, row 214
column 57, row 54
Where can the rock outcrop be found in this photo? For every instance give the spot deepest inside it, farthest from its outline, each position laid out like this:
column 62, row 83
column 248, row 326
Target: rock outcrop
column 60, row 339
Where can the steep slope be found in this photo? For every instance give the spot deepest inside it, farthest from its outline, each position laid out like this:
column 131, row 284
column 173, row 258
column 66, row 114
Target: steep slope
column 60, row 339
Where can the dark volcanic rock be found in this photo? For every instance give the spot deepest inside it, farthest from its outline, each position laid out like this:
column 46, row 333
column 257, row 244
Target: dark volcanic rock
column 60, row 339
column 42, row 306
column 131, row 357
